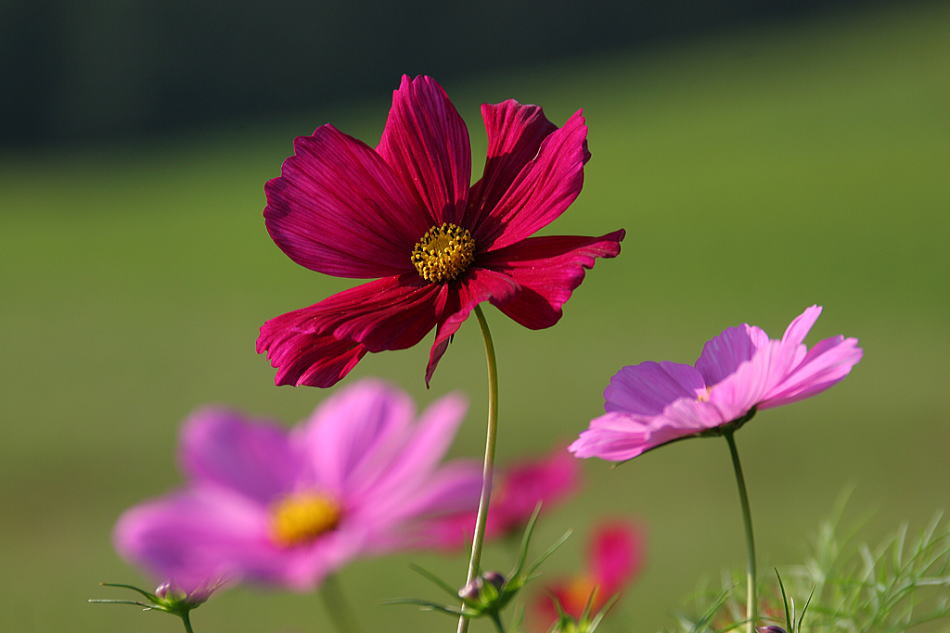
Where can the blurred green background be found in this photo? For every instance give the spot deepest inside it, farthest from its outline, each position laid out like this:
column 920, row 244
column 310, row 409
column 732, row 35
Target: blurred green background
column 756, row 170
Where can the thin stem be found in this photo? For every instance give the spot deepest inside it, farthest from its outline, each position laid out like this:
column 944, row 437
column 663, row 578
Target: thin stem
column 496, row 618
column 186, row 620
column 751, row 599
column 488, row 465
column 337, row 607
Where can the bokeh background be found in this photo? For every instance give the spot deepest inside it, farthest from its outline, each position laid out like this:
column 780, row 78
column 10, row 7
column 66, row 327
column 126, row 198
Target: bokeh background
column 761, row 159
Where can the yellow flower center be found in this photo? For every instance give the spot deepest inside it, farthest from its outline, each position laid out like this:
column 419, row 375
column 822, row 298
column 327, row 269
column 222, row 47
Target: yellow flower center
column 301, row 518
column 443, row 253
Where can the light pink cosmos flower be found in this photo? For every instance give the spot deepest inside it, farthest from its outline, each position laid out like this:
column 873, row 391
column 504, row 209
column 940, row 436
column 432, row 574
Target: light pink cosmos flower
column 738, row 373
column 407, row 215
column 615, row 558
column 520, row 488
column 285, row 507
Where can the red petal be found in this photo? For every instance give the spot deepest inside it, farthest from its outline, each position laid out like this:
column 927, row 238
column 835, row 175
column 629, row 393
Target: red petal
column 477, row 286
column 426, row 142
column 547, row 270
column 515, row 133
column 542, row 191
column 339, row 209
column 320, row 344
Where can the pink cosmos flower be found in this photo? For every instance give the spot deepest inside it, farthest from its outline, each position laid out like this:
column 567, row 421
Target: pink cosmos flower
column 406, row 215
column 738, row 373
column 614, row 560
column 519, row 490
column 286, row 507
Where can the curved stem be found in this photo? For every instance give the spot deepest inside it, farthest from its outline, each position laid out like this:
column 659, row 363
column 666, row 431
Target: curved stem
column 337, row 607
column 186, row 620
column 751, row 599
column 488, row 465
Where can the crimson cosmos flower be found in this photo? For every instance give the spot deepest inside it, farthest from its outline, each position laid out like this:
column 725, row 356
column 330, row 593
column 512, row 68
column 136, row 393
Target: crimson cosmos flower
column 615, row 558
column 405, row 215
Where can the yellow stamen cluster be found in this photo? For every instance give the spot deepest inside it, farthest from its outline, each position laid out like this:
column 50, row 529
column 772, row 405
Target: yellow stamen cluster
column 443, row 253
column 300, row 518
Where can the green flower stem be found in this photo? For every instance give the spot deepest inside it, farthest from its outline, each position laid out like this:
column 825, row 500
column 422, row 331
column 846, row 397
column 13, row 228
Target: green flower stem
column 186, row 620
column 337, row 606
column 496, row 619
column 751, row 598
column 488, row 465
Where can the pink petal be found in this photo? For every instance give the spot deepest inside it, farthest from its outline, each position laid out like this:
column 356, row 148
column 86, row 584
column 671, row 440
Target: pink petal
column 250, row 457
column 825, row 364
column 320, row 344
column 801, row 325
column 346, row 432
column 426, row 142
column 452, row 488
column 770, row 365
column 648, row 388
column 339, row 209
column 195, row 537
column 526, row 484
column 478, row 285
column 618, row 437
column 547, row 269
column 616, row 556
column 424, row 446
column 722, row 355
column 515, row 133
column 542, row 191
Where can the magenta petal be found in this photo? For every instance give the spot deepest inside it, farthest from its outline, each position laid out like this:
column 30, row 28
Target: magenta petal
column 426, row 142
column 339, row 209
column 825, row 364
column 252, row 457
column 306, row 358
column 515, row 133
column 478, row 285
column 648, row 388
column 616, row 556
column 320, row 344
column 542, row 191
column 385, row 314
column 547, row 269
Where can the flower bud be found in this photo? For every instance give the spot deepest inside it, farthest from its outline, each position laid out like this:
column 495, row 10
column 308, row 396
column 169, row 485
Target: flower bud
column 165, row 592
column 770, row 629
column 494, row 578
column 472, row 589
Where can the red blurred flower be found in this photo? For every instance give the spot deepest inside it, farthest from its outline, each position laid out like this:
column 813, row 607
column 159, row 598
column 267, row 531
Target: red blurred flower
column 520, row 488
column 614, row 559
column 405, row 215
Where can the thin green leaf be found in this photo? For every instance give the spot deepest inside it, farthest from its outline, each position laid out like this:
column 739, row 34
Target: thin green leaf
column 549, row 551
column 428, row 575
column 149, row 596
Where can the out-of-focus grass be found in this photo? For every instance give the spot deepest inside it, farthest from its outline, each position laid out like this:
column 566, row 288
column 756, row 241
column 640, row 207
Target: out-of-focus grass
column 756, row 174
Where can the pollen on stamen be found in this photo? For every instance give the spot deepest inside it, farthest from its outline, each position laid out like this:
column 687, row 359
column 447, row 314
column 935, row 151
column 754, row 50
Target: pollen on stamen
column 443, row 253
column 301, row 518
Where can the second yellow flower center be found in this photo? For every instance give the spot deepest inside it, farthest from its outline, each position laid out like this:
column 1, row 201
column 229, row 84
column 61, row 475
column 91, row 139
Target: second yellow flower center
column 443, row 253
column 300, row 518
